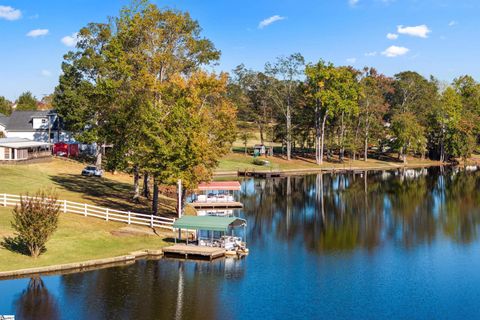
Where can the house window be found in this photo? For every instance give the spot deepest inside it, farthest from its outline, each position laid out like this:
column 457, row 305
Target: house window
column 22, row 154
column 6, row 153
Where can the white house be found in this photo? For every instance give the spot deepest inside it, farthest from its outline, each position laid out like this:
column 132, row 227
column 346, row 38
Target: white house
column 42, row 126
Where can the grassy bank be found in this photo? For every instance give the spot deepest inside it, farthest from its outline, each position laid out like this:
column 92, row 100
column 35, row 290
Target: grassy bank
column 238, row 161
column 113, row 190
column 78, row 239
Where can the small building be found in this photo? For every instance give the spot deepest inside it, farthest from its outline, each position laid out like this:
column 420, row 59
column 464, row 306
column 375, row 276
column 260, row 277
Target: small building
column 262, row 150
column 65, row 149
column 22, row 149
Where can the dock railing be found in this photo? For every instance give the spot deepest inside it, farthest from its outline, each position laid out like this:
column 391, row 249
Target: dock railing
column 106, row 214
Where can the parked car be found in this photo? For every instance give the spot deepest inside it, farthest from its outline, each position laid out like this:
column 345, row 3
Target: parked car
column 92, row 171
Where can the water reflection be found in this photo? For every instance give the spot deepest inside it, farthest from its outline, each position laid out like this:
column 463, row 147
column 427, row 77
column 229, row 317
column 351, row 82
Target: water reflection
column 357, row 245
column 152, row 290
column 36, row 302
column 343, row 212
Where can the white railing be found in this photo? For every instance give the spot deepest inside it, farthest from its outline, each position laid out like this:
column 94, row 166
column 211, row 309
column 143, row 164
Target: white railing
column 106, row 214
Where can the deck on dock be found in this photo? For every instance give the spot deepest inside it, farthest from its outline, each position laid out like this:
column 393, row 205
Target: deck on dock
column 217, row 205
column 194, row 250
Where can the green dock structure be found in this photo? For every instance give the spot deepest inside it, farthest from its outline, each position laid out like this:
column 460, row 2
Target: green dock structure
column 211, row 224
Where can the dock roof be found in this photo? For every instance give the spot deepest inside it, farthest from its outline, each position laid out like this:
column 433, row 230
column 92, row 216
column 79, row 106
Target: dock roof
column 219, row 185
column 211, row 223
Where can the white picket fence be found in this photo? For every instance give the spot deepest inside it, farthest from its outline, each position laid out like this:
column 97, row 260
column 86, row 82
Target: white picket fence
column 106, row 214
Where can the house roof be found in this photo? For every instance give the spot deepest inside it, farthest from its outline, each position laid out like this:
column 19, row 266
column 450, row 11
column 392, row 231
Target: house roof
column 4, row 120
column 22, row 120
column 219, row 185
column 19, row 143
column 210, row 223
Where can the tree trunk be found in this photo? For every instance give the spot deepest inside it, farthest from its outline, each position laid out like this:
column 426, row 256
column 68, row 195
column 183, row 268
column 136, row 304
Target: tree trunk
column 98, row 155
column 442, row 147
column 322, row 139
column 404, row 155
column 341, row 140
column 367, row 132
column 146, row 185
column 155, row 198
column 365, row 155
column 317, row 134
column 260, row 128
column 357, row 130
column 136, row 183
column 289, row 136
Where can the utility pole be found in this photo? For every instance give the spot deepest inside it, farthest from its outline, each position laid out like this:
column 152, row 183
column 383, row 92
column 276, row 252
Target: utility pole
column 179, row 200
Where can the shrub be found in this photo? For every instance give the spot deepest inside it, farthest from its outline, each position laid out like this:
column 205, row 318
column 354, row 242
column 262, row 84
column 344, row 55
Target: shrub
column 35, row 219
column 260, row 162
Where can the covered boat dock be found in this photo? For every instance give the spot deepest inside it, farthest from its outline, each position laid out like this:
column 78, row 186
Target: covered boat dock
column 215, row 243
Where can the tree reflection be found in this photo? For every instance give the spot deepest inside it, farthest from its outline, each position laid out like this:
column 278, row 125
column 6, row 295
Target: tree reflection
column 344, row 212
column 36, row 302
column 172, row 289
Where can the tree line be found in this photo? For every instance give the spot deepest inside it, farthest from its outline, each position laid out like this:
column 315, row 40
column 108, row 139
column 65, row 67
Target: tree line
column 25, row 102
column 345, row 111
column 138, row 84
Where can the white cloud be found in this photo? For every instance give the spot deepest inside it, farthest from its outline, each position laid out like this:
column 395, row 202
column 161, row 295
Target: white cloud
column 371, row 54
column 452, row 23
column 392, row 36
column 71, row 40
column 46, row 73
column 353, row 3
column 352, row 60
column 394, row 51
column 9, row 13
column 421, row 31
column 266, row 22
column 37, row 33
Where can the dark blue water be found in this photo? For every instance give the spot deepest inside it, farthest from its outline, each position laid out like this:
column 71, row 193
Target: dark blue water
column 395, row 245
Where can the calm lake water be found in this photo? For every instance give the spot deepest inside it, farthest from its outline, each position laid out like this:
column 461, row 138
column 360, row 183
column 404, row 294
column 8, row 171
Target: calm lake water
column 392, row 244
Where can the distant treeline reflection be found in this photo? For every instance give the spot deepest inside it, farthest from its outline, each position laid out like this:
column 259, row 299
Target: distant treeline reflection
column 341, row 212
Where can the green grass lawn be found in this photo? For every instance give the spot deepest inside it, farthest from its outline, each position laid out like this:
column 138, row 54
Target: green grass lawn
column 77, row 239
column 238, row 161
column 113, row 190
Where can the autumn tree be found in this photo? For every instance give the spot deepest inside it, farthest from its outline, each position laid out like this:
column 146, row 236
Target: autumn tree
column 35, row 219
column 332, row 91
column 373, row 105
column 409, row 135
column 286, row 71
column 192, row 128
column 253, row 99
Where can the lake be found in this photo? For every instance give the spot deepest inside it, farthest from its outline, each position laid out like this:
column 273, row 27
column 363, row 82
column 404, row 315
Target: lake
column 400, row 244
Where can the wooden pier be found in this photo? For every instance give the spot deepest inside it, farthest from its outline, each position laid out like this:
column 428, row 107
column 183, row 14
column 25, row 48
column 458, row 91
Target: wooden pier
column 260, row 174
column 195, row 251
column 217, row 205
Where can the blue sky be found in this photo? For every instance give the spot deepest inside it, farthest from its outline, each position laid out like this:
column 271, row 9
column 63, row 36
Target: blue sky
column 438, row 37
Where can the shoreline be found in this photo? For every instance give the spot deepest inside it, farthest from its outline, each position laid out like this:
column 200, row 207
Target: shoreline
column 83, row 266
column 331, row 169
